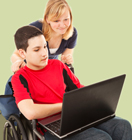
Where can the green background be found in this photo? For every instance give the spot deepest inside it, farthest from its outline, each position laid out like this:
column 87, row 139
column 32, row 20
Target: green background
column 104, row 41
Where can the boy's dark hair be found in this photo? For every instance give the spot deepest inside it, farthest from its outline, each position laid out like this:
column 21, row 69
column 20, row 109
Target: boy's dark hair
column 23, row 34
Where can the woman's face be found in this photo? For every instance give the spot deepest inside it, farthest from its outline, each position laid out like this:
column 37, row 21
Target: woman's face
column 61, row 25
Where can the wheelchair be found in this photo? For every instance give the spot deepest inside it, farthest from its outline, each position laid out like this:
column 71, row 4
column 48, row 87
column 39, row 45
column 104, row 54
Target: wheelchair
column 17, row 127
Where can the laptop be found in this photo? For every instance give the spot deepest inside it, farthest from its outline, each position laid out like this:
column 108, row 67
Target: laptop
column 85, row 107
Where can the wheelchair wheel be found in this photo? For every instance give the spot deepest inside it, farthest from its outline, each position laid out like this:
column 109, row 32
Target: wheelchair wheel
column 14, row 129
column 9, row 132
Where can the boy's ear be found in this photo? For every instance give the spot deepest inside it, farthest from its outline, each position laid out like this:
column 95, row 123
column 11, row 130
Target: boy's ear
column 22, row 53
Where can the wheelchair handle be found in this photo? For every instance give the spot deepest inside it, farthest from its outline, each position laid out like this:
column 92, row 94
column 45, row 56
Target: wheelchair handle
column 70, row 67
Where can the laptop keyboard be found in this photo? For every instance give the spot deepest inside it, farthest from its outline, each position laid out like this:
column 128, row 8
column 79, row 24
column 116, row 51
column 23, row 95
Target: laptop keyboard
column 55, row 126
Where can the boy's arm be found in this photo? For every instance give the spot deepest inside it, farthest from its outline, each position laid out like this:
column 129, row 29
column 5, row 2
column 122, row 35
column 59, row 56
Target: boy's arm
column 24, row 100
column 37, row 111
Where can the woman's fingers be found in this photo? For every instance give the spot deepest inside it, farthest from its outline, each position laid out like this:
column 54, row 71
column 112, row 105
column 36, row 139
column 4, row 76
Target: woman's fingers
column 67, row 59
column 17, row 65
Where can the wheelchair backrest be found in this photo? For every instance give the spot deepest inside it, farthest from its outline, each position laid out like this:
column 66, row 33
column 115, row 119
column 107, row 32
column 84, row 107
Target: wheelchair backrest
column 7, row 102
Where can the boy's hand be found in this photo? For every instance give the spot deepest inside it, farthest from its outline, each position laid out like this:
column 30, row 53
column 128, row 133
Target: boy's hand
column 17, row 65
column 68, row 59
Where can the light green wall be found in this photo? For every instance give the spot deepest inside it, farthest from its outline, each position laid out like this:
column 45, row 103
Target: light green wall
column 104, row 40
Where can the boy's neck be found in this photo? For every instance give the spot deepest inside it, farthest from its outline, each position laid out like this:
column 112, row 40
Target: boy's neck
column 35, row 68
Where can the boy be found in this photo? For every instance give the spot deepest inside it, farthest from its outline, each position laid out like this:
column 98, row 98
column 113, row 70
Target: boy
column 39, row 87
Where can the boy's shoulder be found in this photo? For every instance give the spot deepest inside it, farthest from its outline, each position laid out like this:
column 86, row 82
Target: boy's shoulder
column 21, row 71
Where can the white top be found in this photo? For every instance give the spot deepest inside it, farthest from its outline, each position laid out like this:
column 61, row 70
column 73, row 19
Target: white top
column 52, row 51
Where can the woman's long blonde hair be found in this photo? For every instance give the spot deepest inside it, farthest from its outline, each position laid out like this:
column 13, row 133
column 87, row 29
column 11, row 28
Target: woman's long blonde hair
column 54, row 9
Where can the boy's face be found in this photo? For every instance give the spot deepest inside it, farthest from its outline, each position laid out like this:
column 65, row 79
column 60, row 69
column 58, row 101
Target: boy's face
column 37, row 53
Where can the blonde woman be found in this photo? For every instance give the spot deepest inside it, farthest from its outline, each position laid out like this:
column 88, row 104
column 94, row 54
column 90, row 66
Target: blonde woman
column 58, row 30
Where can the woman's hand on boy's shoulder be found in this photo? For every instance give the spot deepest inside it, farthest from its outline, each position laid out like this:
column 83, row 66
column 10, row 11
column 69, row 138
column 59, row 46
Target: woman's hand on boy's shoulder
column 17, row 65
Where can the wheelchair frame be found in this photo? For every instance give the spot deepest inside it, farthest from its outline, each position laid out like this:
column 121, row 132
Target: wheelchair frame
column 19, row 128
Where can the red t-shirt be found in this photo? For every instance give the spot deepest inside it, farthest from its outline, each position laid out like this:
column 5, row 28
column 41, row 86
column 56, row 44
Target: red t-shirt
column 46, row 85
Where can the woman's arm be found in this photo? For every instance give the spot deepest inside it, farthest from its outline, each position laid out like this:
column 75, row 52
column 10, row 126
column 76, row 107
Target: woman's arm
column 67, row 56
column 17, row 61
column 36, row 111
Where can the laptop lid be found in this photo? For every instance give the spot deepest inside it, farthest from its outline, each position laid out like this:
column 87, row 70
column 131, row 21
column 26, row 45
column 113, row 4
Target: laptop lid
column 89, row 105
